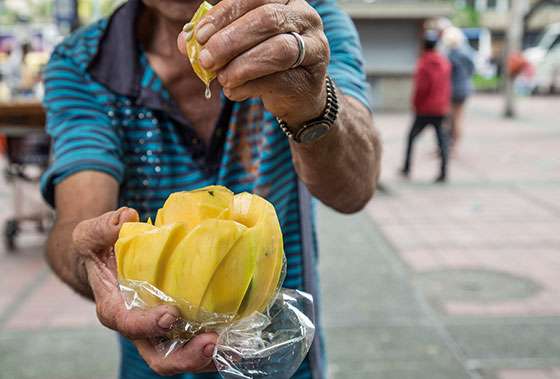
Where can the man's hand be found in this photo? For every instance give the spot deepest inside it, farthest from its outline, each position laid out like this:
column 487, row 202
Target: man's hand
column 93, row 242
column 248, row 45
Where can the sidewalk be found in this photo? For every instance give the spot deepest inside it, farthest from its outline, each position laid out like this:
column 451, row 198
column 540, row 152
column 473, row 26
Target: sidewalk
column 455, row 281
column 436, row 282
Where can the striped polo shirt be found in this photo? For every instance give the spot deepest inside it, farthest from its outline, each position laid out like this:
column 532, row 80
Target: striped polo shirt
column 108, row 111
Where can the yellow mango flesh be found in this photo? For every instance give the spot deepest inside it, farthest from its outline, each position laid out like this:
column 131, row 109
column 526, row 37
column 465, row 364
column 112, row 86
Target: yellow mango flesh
column 131, row 229
column 128, row 231
column 144, row 256
column 194, row 261
column 194, row 207
column 159, row 218
column 211, row 251
column 260, row 216
column 194, row 48
column 231, row 280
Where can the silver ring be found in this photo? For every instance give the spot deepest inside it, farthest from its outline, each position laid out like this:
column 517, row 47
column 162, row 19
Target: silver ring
column 301, row 49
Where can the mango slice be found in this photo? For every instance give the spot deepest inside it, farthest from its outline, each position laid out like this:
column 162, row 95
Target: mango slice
column 192, row 265
column 230, row 282
column 196, row 206
column 259, row 215
column 144, row 256
column 194, row 48
column 131, row 229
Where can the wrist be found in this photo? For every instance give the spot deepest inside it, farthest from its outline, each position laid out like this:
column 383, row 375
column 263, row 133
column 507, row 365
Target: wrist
column 315, row 128
column 310, row 110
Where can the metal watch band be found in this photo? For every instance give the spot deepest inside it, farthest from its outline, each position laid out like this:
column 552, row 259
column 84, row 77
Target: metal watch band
column 327, row 119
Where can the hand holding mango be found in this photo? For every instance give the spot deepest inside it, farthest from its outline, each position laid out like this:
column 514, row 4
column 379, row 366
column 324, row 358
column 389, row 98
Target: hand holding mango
column 251, row 48
column 211, row 251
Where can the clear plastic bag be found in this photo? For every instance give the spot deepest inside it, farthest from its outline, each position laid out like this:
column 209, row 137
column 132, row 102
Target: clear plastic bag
column 271, row 344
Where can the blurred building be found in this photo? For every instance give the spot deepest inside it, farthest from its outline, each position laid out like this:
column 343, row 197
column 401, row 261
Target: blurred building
column 494, row 16
column 391, row 32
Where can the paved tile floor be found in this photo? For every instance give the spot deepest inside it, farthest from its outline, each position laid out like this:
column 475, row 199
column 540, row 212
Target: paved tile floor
column 430, row 281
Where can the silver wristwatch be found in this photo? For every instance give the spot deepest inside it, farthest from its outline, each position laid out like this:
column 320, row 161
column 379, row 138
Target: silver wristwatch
column 315, row 129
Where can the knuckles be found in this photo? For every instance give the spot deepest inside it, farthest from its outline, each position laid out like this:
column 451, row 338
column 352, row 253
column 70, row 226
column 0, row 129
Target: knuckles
column 271, row 18
column 286, row 50
column 314, row 18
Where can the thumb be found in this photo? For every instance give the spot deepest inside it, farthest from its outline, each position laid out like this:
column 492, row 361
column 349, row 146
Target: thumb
column 100, row 233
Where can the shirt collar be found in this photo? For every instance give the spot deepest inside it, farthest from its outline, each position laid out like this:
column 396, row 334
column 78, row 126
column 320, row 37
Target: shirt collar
column 116, row 64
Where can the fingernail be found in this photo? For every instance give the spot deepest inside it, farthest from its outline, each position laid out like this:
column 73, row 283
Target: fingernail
column 188, row 27
column 167, row 321
column 188, row 35
column 206, row 59
column 204, row 32
column 115, row 219
column 209, row 350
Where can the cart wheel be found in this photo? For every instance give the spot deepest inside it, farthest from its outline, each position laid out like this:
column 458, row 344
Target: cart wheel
column 11, row 231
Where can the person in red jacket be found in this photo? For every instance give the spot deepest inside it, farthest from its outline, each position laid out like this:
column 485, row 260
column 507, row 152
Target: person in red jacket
column 431, row 101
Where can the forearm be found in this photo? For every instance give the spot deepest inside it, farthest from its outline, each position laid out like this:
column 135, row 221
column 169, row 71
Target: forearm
column 64, row 260
column 342, row 168
column 75, row 202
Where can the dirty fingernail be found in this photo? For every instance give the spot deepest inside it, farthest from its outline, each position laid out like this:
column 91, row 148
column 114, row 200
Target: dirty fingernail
column 167, row 321
column 206, row 59
column 204, row 33
column 188, row 27
column 209, row 350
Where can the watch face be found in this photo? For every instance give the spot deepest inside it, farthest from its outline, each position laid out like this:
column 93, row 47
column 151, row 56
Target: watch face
column 314, row 132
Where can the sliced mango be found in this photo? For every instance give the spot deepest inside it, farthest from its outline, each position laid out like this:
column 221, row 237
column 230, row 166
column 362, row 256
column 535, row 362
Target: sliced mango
column 144, row 256
column 260, row 216
column 231, row 280
column 211, row 251
column 194, row 207
column 159, row 218
column 131, row 229
column 194, row 261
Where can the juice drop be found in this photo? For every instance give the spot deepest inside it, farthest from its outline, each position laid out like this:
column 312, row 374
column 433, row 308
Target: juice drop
column 194, row 48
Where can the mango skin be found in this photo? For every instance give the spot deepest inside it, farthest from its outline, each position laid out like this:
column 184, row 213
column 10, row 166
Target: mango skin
column 213, row 252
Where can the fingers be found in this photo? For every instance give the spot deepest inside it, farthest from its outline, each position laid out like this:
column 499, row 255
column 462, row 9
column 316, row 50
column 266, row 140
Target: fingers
column 276, row 54
column 283, row 92
column 217, row 18
column 112, row 312
column 98, row 234
column 182, row 39
column 250, row 30
column 226, row 12
column 195, row 356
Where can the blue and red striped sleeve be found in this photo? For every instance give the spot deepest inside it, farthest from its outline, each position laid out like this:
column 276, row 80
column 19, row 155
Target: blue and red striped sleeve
column 347, row 64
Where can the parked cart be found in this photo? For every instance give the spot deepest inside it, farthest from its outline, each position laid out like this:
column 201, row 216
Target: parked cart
column 26, row 149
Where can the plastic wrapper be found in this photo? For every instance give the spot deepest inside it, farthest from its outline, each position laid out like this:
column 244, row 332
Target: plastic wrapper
column 271, row 344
